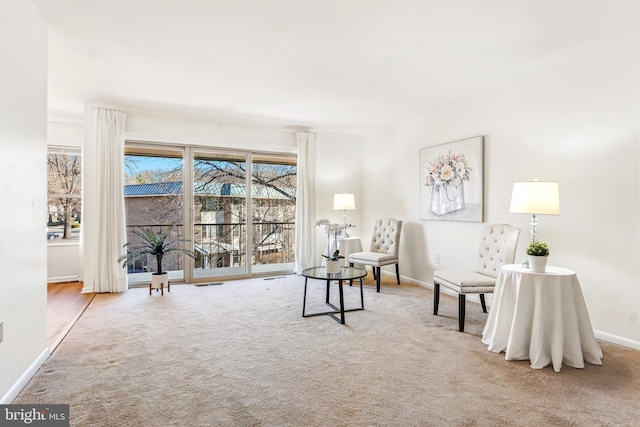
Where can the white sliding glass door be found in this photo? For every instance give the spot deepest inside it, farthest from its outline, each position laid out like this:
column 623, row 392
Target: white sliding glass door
column 234, row 209
column 219, row 213
column 273, row 212
column 154, row 200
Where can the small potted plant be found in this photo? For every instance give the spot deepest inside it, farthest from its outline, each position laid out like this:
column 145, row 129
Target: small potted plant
column 156, row 244
column 333, row 262
column 538, row 253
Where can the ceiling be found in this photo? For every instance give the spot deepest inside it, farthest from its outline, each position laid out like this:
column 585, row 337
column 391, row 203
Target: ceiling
column 340, row 65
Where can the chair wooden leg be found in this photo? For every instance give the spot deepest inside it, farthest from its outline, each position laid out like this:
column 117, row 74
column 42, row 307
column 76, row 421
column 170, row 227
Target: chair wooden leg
column 436, row 297
column 398, row 273
column 377, row 278
column 461, row 304
column 484, row 305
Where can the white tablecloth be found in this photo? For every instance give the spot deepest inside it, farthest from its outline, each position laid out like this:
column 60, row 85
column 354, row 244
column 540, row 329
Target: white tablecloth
column 346, row 246
column 541, row 317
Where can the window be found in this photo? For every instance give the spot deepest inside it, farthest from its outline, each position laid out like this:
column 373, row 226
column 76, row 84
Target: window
column 237, row 222
column 153, row 195
column 64, row 189
column 212, row 204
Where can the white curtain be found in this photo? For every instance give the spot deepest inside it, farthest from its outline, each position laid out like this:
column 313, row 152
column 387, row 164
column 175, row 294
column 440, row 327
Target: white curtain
column 305, row 203
column 111, row 233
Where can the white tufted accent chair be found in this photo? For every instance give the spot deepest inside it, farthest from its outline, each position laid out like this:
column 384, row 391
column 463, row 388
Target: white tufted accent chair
column 384, row 249
column 497, row 247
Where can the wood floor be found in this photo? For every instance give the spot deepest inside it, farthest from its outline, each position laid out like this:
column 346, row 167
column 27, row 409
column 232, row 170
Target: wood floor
column 65, row 304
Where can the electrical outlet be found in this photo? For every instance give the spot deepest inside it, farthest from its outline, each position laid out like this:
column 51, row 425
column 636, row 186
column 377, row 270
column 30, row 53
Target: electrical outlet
column 436, row 259
column 1, row 330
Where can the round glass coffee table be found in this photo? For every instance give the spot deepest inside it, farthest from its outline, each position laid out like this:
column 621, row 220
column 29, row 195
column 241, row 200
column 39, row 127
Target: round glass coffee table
column 346, row 273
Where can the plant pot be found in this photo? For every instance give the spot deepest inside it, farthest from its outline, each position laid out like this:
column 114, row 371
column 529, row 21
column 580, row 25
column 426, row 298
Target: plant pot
column 159, row 281
column 538, row 264
column 333, row 267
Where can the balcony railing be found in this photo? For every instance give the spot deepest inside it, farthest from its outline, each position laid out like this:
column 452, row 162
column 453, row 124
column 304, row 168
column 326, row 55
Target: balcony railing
column 222, row 245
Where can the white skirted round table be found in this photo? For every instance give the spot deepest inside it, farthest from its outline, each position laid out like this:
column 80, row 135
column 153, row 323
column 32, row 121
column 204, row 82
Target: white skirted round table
column 346, row 246
column 541, row 317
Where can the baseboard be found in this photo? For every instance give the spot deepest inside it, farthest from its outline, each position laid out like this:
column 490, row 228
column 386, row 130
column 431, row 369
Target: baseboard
column 470, row 297
column 603, row 336
column 24, row 378
column 87, row 289
column 63, row 279
column 614, row 339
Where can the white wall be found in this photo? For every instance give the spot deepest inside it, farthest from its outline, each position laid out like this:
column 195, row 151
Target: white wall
column 171, row 127
column 339, row 170
column 63, row 262
column 23, row 145
column 64, row 132
column 577, row 124
column 63, row 258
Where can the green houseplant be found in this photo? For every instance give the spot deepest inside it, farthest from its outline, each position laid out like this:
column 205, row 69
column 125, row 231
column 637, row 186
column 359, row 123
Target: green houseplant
column 538, row 249
column 155, row 244
column 538, row 253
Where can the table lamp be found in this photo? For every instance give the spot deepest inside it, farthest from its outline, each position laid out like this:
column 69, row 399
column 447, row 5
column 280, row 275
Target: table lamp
column 535, row 198
column 344, row 202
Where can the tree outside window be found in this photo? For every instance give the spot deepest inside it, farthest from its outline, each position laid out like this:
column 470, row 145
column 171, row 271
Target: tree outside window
column 64, row 216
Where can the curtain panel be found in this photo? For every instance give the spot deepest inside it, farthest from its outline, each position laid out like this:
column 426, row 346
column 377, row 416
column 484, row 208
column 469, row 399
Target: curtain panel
column 305, row 202
column 109, row 276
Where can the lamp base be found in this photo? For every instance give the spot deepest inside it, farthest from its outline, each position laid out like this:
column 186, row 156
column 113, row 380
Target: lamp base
column 345, row 225
column 534, row 225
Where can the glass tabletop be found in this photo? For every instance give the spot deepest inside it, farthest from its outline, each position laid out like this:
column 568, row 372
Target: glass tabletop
column 346, row 273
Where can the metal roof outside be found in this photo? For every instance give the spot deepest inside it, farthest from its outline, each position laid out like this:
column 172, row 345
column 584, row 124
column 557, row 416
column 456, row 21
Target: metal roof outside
column 208, row 189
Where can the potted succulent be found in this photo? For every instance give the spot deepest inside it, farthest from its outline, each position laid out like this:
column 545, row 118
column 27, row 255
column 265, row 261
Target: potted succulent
column 333, row 262
column 538, row 253
column 156, row 244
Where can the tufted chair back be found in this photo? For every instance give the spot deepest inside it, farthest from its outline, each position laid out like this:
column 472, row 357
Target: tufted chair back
column 386, row 236
column 497, row 247
column 383, row 250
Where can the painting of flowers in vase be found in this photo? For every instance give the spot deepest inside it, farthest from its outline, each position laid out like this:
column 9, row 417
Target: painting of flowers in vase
column 451, row 181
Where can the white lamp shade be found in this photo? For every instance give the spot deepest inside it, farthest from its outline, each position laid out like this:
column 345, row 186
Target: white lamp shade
column 344, row 201
column 535, row 197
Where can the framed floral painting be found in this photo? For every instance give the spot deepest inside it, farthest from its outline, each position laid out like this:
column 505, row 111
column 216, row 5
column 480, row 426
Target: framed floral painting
column 451, row 181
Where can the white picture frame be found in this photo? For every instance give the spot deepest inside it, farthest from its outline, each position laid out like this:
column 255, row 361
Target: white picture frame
column 452, row 181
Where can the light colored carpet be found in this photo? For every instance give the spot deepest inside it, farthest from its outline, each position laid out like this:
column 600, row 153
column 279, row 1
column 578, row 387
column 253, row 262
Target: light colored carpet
column 241, row 354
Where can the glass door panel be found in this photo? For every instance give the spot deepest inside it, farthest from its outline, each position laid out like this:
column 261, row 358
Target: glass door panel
column 219, row 215
column 154, row 199
column 273, row 210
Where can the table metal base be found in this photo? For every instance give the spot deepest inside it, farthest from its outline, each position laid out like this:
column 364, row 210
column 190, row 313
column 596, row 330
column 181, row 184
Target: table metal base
column 336, row 310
